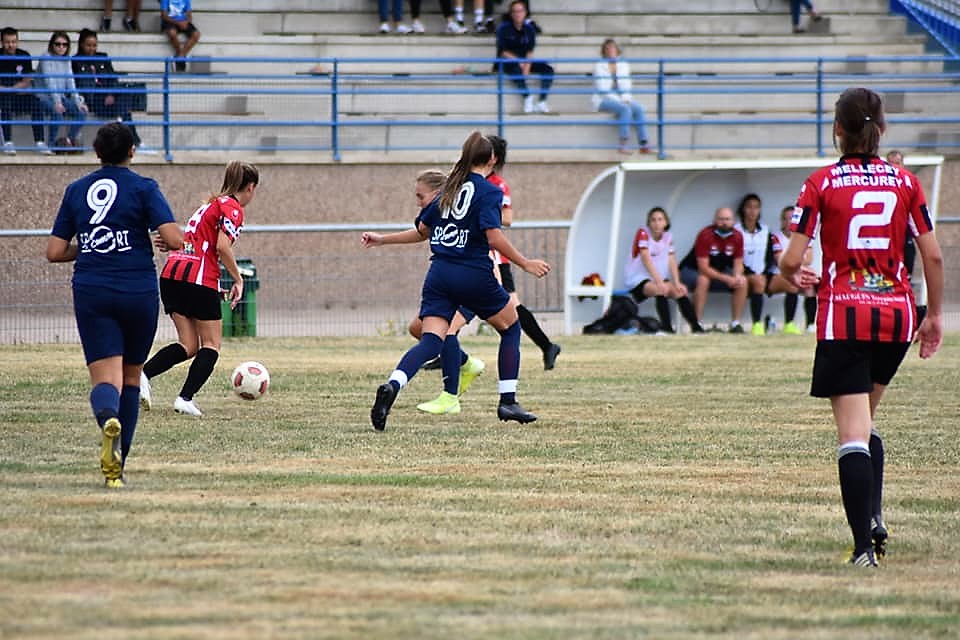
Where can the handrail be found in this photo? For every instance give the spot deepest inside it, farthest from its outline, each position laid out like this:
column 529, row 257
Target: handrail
column 941, row 20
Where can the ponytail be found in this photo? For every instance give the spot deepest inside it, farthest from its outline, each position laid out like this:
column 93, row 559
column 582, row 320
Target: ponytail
column 476, row 151
column 236, row 177
column 859, row 112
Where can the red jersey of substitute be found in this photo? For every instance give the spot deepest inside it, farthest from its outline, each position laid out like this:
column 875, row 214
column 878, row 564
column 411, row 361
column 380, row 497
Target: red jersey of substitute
column 498, row 180
column 864, row 208
column 198, row 262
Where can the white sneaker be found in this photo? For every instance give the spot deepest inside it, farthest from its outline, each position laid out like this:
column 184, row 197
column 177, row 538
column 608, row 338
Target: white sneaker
column 418, row 27
column 543, row 107
column 453, row 27
column 186, row 406
column 8, row 148
column 528, row 104
column 146, row 393
column 811, row 328
column 403, row 29
column 384, row 27
column 43, row 149
column 145, row 150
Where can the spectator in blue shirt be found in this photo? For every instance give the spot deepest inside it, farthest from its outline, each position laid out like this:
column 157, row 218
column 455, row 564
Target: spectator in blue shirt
column 516, row 39
column 176, row 17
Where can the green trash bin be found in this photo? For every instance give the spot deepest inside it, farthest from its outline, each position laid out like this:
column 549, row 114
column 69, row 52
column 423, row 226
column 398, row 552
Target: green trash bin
column 241, row 321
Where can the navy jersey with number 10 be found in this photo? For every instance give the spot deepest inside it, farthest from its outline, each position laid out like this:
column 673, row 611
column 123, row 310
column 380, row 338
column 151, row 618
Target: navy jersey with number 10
column 111, row 212
column 865, row 208
column 459, row 233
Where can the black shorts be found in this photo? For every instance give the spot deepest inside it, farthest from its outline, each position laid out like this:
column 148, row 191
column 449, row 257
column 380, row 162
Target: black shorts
column 167, row 26
column 847, row 367
column 190, row 300
column 506, row 277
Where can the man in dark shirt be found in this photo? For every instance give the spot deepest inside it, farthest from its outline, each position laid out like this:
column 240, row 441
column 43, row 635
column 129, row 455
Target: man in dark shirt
column 16, row 67
column 516, row 39
column 716, row 264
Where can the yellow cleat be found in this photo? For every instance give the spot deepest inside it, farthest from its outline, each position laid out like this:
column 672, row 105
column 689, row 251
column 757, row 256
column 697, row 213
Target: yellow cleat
column 111, row 463
column 443, row 404
column 472, row 368
column 791, row 329
column 115, row 483
column 758, row 329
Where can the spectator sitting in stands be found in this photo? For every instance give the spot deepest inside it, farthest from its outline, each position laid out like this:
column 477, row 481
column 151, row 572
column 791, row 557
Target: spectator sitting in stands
column 61, row 97
column 16, row 71
column 394, row 7
column 94, row 70
column 795, row 14
column 611, row 78
column 176, row 17
column 131, row 21
column 517, row 39
column 454, row 23
column 488, row 5
column 715, row 263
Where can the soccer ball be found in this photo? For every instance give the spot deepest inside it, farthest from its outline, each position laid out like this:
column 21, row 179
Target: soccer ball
column 250, row 380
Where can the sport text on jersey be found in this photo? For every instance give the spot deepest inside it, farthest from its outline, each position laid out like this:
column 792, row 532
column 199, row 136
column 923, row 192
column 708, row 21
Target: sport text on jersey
column 870, row 175
column 101, row 238
column 450, row 234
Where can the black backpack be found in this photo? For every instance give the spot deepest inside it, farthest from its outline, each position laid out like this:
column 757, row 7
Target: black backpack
column 622, row 314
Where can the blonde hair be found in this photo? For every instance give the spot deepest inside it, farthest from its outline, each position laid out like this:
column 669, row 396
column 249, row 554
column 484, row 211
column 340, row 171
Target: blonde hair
column 432, row 178
column 236, row 177
column 477, row 150
column 603, row 47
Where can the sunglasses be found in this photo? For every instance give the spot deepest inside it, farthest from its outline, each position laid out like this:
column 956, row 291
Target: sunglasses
column 61, row 44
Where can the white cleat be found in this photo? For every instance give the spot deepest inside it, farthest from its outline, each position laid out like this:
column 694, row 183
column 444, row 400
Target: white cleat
column 146, row 394
column 186, row 406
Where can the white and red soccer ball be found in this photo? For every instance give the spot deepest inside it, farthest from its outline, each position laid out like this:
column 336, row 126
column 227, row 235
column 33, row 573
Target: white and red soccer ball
column 250, row 380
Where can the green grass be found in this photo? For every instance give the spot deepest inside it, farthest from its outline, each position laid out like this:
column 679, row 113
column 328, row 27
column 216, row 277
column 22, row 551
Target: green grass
column 674, row 487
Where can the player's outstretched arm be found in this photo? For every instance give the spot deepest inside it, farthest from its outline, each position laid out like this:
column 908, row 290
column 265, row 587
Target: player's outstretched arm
column 497, row 240
column 373, row 239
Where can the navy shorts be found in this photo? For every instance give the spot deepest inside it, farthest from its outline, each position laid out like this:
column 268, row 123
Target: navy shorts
column 467, row 314
column 190, row 300
column 449, row 286
column 113, row 323
column 847, row 367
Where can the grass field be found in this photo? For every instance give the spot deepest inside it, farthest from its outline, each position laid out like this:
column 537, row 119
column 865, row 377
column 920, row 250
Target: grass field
column 674, row 487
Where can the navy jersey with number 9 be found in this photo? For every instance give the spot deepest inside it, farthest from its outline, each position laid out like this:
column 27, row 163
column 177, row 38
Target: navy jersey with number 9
column 111, row 212
column 459, row 233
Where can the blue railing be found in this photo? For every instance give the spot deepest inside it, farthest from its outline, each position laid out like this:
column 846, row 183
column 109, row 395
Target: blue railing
column 694, row 105
column 939, row 18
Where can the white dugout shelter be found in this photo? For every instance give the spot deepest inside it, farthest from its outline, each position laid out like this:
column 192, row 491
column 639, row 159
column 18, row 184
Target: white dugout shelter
column 616, row 202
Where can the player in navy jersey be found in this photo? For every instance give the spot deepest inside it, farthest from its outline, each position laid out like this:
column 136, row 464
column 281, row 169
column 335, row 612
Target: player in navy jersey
column 115, row 298
column 866, row 317
column 190, row 286
column 462, row 227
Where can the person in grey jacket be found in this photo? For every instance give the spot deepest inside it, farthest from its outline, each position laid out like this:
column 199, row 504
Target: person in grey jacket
column 57, row 90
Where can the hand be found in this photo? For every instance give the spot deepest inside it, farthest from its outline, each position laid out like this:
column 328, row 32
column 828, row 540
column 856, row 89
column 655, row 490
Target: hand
column 682, row 289
column 804, row 278
column 161, row 244
column 537, row 268
column 236, row 292
column 660, row 288
column 371, row 239
column 929, row 335
column 59, row 107
column 737, row 282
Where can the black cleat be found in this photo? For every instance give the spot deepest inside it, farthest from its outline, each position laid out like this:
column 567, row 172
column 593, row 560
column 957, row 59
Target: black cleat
column 514, row 412
column 879, row 535
column 386, row 394
column 432, row 363
column 550, row 356
column 737, row 328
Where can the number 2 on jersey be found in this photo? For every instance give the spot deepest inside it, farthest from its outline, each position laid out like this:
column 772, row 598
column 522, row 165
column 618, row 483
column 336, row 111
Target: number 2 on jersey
column 100, row 197
column 861, row 199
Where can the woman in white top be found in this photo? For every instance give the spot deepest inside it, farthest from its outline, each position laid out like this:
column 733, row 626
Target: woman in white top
column 612, row 83
column 651, row 271
column 757, row 256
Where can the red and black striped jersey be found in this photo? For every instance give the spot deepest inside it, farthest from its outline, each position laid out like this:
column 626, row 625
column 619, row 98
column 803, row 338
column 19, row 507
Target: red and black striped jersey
column 199, row 261
column 864, row 209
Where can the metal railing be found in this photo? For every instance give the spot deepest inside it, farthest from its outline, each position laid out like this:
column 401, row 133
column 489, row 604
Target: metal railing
column 939, row 18
column 698, row 105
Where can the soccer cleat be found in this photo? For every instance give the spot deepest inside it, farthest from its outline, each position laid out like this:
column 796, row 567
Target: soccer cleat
column 736, row 328
column 758, row 329
column 453, row 27
column 469, row 371
column 792, row 329
column 115, row 483
column 111, row 463
column 432, row 364
column 550, row 356
column 443, row 404
column 386, row 394
column 146, row 394
column 187, row 407
column 864, row 559
column 879, row 535
column 528, row 104
column 514, row 412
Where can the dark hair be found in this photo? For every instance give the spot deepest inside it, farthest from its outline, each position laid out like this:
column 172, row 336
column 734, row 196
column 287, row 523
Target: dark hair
column 743, row 203
column 54, row 36
column 859, row 113
column 499, row 150
column 83, row 35
column 603, row 47
column 113, row 143
column 236, row 177
column 476, row 150
column 9, row 31
column 665, row 215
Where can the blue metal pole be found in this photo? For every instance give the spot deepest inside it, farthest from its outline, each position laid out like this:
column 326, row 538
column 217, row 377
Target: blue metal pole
column 166, row 109
column 334, row 109
column 661, row 147
column 500, row 99
column 820, row 151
